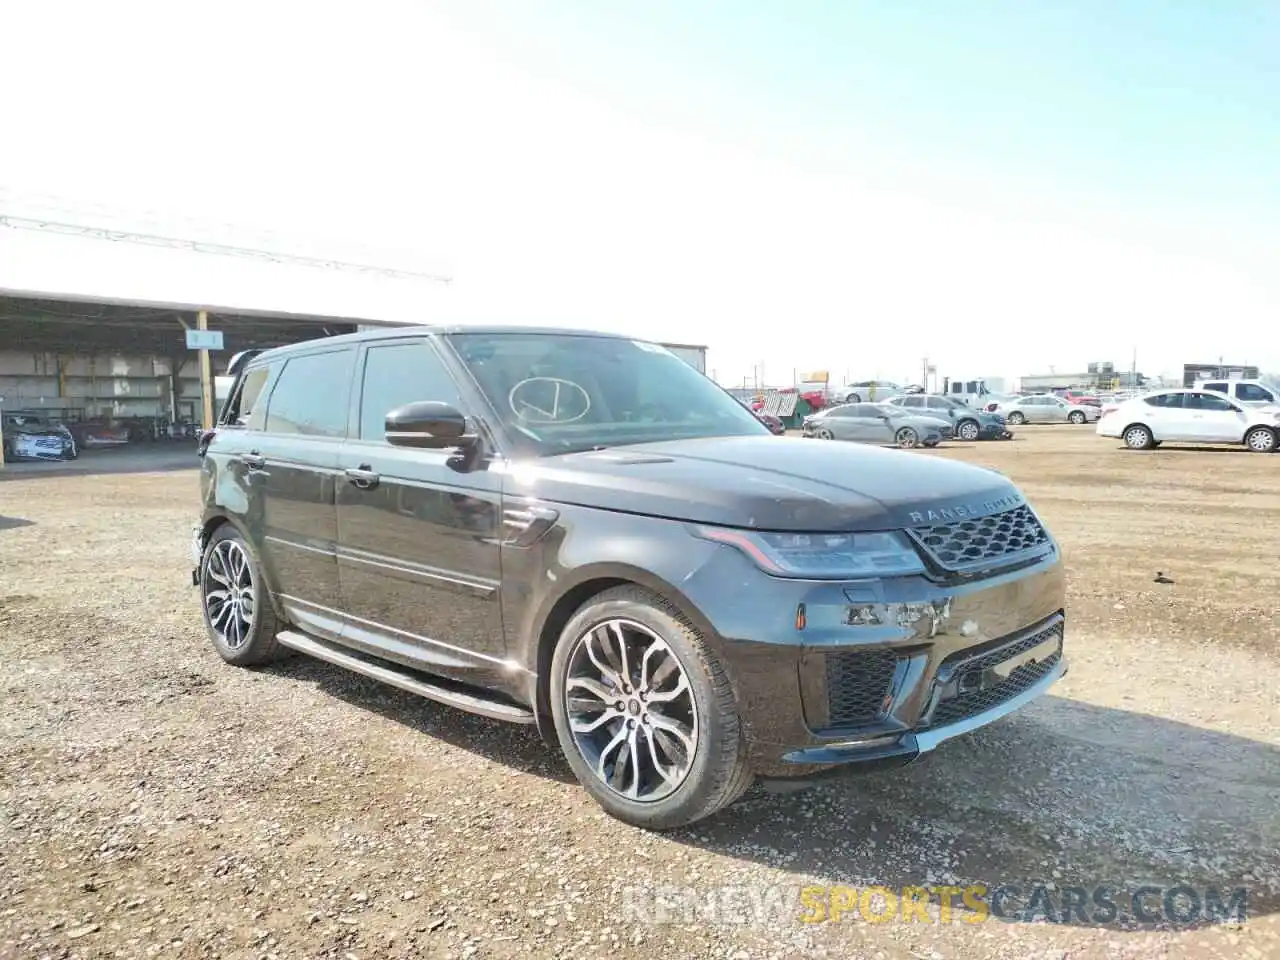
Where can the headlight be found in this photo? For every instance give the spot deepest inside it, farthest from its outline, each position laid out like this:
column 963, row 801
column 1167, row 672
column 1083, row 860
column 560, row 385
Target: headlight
column 821, row 556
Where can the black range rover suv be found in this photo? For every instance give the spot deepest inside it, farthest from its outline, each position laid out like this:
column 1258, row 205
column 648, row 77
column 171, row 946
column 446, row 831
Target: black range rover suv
column 582, row 532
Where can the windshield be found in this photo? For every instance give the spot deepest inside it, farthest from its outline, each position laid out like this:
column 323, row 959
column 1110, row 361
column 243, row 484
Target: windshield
column 557, row 393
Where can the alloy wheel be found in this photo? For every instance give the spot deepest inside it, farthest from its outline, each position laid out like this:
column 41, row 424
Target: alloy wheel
column 631, row 710
column 907, row 437
column 1076, row 417
column 969, row 430
column 229, row 593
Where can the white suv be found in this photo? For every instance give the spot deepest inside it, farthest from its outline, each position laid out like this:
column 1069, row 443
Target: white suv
column 1191, row 416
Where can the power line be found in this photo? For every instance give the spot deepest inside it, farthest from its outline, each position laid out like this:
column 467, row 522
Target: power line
column 72, row 221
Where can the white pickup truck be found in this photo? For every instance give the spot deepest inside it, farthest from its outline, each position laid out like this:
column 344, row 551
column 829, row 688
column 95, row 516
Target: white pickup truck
column 1255, row 393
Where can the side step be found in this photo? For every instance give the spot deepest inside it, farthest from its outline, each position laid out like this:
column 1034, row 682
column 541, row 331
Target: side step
column 396, row 676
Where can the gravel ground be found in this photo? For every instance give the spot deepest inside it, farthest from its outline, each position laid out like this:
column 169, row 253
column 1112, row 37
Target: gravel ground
column 159, row 803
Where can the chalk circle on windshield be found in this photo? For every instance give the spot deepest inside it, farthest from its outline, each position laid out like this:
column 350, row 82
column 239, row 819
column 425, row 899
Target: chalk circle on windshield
column 549, row 400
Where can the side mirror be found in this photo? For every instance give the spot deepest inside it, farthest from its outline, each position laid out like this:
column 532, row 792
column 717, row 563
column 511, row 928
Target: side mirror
column 428, row 424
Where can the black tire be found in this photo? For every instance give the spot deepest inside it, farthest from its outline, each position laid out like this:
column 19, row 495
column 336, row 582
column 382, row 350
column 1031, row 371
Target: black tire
column 1261, row 440
column 1137, row 437
column 241, row 638
column 1077, row 417
column 968, row 430
column 907, row 438
column 718, row 773
column 823, row 433
column 853, row 398
column 1017, row 418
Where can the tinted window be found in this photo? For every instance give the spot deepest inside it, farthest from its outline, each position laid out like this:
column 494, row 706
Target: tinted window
column 310, row 396
column 1206, row 401
column 915, row 402
column 247, row 406
column 1164, row 400
column 400, row 373
column 1220, row 387
column 864, row 410
column 938, row 403
column 1252, row 393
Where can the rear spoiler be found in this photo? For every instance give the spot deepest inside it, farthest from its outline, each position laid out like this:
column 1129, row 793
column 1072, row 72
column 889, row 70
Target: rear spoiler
column 239, row 361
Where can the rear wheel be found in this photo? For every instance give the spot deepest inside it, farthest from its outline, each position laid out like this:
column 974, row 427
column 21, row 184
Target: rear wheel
column 1138, row 437
column 237, row 611
column 853, row 398
column 907, row 437
column 1017, row 418
column 644, row 712
column 968, row 430
column 1261, row 440
column 1076, row 416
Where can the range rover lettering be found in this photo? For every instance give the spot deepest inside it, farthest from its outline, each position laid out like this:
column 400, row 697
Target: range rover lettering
column 583, row 533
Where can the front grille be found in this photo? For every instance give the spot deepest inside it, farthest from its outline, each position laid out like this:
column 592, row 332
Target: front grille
column 859, row 684
column 965, row 705
column 966, row 543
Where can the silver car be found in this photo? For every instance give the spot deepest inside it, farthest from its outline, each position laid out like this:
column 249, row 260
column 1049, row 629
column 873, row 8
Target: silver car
column 1046, row 408
column 876, row 423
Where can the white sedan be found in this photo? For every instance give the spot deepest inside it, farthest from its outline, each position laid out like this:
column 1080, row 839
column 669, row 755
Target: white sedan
column 1046, row 408
column 1190, row 416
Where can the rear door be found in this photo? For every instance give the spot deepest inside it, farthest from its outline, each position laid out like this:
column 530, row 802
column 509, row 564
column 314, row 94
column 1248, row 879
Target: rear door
column 419, row 559
column 291, row 467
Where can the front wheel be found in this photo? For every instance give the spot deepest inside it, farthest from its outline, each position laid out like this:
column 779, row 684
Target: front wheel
column 237, row 610
column 1017, row 418
column 968, row 430
column 644, row 712
column 853, row 398
column 1138, row 437
column 1261, row 440
column 1076, row 416
column 823, row 433
column 907, row 437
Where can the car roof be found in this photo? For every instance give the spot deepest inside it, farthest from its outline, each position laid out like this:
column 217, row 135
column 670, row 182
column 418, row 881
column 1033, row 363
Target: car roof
column 420, row 330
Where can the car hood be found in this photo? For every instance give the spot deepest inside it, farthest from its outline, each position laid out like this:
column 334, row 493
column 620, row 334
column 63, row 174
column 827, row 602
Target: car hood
column 766, row 483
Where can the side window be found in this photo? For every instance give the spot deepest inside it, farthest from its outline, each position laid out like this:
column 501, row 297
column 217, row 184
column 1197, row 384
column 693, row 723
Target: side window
column 1165, row 400
column 1219, row 386
column 1207, row 401
column 311, row 393
column 839, row 412
column 400, row 373
column 1252, row 393
column 247, row 407
column 913, row 402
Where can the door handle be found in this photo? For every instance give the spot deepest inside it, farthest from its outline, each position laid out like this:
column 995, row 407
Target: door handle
column 253, row 460
column 362, row 477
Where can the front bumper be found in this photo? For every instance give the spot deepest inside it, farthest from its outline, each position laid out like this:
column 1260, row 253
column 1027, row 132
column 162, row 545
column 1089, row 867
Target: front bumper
column 839, row 673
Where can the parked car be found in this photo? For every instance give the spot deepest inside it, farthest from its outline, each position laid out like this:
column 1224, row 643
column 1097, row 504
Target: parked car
column 876, row 423
column 1191, row 416
column 1256, row 393
column 1046, row 408
column 583, row 533
column 870, row 390
column 775, row 424
column 1075, row 396
column 32, row 437
column 967, row 423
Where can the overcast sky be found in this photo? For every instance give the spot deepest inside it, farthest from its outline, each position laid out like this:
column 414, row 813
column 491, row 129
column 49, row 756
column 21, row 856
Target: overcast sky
column 1000, row 186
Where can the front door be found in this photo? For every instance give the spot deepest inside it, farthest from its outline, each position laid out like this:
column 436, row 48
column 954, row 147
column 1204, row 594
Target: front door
column 1213, row 419
column 419, row 556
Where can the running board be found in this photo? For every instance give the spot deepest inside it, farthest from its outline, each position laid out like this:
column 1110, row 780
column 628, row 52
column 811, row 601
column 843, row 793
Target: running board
column 398, row 677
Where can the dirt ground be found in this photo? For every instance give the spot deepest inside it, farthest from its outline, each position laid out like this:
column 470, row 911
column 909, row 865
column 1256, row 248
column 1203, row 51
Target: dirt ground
column 156, row 802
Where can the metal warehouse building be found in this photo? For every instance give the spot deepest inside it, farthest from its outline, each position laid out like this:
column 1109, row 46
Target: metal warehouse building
column 105, row 338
